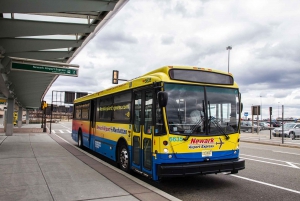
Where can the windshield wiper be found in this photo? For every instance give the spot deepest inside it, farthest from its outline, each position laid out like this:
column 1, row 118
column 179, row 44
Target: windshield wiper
column 187, row 136
column 196, row 126
column 216, row 124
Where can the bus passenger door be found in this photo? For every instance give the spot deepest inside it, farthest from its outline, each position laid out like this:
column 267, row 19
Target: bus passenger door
column 92, row 129
column 142, row 131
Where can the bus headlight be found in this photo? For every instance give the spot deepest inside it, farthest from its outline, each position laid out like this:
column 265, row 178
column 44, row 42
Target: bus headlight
column 166, row 150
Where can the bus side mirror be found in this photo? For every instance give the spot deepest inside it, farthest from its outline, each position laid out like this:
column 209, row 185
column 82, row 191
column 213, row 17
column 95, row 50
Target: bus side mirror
column 162, row 98
column 241, row 107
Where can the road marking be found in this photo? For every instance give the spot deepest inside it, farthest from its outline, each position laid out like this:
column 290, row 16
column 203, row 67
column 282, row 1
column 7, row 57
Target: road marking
column 271, row 163
column 267, row 158
column 61, row 131
column 264, row 183
column 65, row 126
column 290, row 164
column 286, row 152
column 52, row 131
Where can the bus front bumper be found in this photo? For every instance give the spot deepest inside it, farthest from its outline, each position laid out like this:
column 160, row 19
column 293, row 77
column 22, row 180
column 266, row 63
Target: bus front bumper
column 207, row 167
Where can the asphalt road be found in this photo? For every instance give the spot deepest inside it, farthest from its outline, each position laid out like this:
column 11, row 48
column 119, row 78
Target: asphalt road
column 272, row 173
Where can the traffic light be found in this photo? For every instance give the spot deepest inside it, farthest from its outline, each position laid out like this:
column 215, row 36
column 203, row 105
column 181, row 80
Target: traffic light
column 43, row 105
column 115, row 77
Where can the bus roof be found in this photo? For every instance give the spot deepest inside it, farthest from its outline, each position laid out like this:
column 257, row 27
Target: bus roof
column 157, row 75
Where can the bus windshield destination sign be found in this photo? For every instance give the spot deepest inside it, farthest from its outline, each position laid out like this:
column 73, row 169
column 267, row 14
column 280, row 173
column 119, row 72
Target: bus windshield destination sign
column 45, row 69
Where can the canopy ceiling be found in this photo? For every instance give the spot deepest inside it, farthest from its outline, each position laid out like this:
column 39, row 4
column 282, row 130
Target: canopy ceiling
column 53, row 31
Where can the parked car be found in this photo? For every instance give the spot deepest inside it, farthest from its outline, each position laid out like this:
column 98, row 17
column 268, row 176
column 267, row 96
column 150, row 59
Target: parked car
column 275, row 124
column 291, row 130
column 246, row 126
column 295, row 131
column 264, row 125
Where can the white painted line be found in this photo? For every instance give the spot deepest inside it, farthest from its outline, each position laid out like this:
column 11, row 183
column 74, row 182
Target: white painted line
column 69, row 131
column 267, row 184
column 292, row 165
column 268, row 159
column 268, row 162
column 152, row 188
column 61, row 131
column 65, row 126
column 286, row 152
column 52, row 131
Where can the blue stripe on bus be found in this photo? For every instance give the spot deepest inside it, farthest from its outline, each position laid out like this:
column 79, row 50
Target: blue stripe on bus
column 195, row 157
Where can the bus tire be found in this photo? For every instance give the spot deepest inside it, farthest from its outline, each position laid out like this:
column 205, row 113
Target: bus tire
column 123, row 157
column 80, row 145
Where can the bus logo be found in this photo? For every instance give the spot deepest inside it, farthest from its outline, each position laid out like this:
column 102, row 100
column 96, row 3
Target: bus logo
column 202, row 141
column 147, row 80
column 220, row 143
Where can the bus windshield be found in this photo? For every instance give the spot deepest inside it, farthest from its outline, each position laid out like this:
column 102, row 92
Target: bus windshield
column 202, row 110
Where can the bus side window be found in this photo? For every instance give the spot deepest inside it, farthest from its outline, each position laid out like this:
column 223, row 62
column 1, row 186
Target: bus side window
column 137, row 112
column 148, row 113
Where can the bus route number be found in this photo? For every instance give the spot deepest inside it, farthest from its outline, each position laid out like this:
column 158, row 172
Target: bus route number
column 176, row 139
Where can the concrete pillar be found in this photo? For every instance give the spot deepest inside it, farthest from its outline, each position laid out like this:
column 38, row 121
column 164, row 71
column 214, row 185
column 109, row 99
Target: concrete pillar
column 20, row 116
column 10, row 117
column 27, row 117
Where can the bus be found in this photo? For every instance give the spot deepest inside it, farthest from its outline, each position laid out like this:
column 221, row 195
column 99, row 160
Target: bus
column 15, row 120
column 172, row 121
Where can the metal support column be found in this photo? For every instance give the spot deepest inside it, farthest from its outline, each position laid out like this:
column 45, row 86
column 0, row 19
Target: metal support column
column 20, row 114
column 10, row 117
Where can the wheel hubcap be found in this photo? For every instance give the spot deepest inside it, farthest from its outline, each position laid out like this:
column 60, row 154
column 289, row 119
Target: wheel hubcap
column 124, row 158
column 79, row 140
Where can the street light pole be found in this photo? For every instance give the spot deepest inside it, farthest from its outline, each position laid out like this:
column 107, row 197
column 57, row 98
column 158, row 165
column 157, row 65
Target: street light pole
column 278, row 111
column 260, row 109
column 228, row 48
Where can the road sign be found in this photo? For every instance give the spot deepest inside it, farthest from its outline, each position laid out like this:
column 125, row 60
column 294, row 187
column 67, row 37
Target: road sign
column 45, row 69
column 2, row 101
column 245, row 114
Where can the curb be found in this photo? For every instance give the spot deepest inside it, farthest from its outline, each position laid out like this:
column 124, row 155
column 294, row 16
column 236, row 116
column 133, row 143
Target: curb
column 270, row 143
column 140, row 182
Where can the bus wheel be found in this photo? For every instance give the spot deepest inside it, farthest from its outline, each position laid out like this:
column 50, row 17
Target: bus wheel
column 80, row 140
column 123, row 157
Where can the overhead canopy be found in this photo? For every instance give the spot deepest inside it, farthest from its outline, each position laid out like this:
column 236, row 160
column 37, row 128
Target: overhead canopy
column 53, row 31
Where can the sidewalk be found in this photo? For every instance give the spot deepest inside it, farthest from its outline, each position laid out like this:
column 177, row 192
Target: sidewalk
column 263, row 137
column 40, row 166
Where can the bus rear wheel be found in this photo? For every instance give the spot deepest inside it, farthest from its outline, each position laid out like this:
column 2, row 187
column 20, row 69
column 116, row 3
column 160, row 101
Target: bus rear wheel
column 80, row 140
column 123, row 157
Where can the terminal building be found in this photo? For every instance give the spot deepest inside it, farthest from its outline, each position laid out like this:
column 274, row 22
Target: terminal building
column 38, row 42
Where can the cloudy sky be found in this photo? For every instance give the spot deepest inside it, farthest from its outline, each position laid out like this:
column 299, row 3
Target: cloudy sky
column 148, row 34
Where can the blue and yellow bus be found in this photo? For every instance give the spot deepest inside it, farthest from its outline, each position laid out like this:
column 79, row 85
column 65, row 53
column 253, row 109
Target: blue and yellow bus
column 173, row 121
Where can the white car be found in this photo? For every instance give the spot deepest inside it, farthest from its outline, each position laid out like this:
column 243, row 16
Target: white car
column 264, row 125
column 295, row 131
column 247, row 126
column 291, row 130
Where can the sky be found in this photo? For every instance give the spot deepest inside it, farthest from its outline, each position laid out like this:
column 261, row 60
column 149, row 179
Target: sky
column 148, row 34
